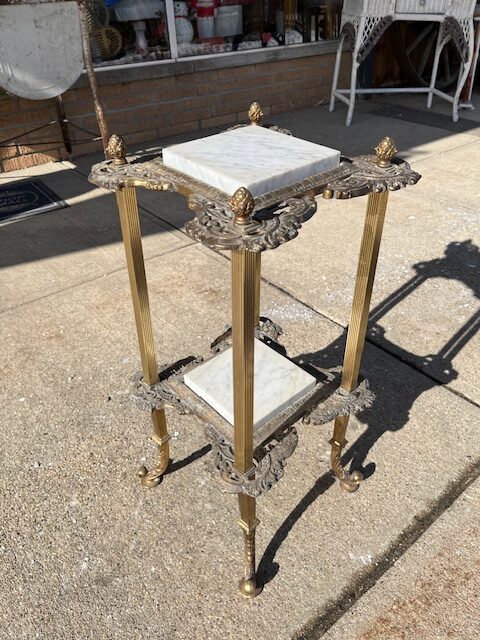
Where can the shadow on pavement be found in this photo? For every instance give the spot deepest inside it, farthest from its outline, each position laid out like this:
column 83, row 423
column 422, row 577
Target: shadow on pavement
column 394, row 399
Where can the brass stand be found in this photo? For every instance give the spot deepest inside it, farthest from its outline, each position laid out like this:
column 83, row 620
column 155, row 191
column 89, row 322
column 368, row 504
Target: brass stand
column 367, row 263
column 250, row 462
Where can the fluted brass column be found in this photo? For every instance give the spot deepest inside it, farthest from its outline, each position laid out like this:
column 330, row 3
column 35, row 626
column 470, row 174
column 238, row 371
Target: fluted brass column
column 258, row 269
column 367, row 263
column 245, row 313
column 132, row 241
column 245, row 276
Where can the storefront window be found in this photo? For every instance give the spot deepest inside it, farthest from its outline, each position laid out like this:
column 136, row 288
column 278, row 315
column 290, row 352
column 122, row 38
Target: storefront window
column 216, row 26
column 129, row 31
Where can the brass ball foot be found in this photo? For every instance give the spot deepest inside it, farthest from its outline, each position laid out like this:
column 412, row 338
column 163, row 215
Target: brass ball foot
column 249, row 588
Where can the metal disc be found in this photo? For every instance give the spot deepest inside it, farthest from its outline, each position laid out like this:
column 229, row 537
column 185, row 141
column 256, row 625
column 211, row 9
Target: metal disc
column 40, row 49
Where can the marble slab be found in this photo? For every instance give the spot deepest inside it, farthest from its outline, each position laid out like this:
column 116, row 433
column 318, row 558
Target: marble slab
column 252, row 157
column 278, row 382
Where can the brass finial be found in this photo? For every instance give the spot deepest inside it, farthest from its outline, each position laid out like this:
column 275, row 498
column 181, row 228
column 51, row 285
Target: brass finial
column 242, row 205
column 116, row 149
column 385, row 151
column 255, row 113
column 328, row 193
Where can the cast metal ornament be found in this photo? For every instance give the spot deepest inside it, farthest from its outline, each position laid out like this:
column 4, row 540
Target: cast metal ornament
column 221, row 228
column 285, row 132
column 255, row 113
column 319, row 406
column 265, row 330
column 385, row 151
column 160, row 395
column 116, row 150
column 341, row 403
column 225, row 222
column 242, row 204
column 373, row 174
column 265, row 473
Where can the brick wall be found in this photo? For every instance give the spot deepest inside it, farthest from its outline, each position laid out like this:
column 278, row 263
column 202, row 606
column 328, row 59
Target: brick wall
column 142, row 110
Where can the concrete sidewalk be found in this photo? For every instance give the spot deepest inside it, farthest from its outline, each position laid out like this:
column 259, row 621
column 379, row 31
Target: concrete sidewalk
column 86, row 552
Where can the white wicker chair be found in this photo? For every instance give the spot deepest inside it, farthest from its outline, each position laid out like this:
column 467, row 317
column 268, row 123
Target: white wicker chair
column 364, row 21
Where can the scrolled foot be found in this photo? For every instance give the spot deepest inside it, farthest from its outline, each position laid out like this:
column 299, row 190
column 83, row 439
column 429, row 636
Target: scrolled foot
column 153, row 477
column 351, row 481
column 348, row 481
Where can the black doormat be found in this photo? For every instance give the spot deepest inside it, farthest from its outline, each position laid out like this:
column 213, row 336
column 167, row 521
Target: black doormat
column 26, row 198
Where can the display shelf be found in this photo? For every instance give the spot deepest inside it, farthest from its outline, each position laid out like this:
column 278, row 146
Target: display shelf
column 277, row 436
column 249, row 455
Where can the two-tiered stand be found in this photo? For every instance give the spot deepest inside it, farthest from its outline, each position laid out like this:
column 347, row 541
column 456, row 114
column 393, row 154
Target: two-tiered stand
column 249, row 458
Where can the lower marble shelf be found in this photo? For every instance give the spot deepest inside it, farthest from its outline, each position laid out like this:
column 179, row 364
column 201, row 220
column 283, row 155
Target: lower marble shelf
column 275, row 438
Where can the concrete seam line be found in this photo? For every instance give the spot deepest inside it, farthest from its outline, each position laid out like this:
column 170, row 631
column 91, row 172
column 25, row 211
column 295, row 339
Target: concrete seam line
column 80, row 284
column 335, row 609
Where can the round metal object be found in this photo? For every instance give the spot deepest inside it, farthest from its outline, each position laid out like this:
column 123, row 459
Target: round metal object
column 40, row 49
column 249, row 588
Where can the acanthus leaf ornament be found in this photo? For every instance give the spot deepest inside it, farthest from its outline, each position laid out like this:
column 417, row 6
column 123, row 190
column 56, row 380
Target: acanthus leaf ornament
column 263, row 476
column 216, row 226
column 342, row 403
column 265, row 330
column 381, row 172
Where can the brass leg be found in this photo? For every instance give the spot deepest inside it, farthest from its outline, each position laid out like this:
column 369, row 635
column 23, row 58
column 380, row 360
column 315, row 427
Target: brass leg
column 245, row 276
column 372, row 234
column 258, row 269
column 248, row 522
column 132, row 240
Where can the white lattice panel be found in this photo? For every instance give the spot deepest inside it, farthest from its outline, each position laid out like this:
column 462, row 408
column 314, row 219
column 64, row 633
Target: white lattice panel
column 369, row 7
column 462, row 8
column 416, row 6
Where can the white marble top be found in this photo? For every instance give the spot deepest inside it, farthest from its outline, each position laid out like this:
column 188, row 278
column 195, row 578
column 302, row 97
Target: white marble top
column 252, row 157
column 277, row 383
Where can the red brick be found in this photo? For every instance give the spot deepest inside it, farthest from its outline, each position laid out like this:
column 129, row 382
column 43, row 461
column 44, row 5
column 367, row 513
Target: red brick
column 141, row 136
column 9, row 152
column 160, row 107
column 160, row 93
column 87, row 147
column 31, row 160
column 218, row 121
column 84, row 93
column 145, row 86
column 184, row 127
column 79, row 109
column 8, row 104
column 39, row 115
column 236, row 72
